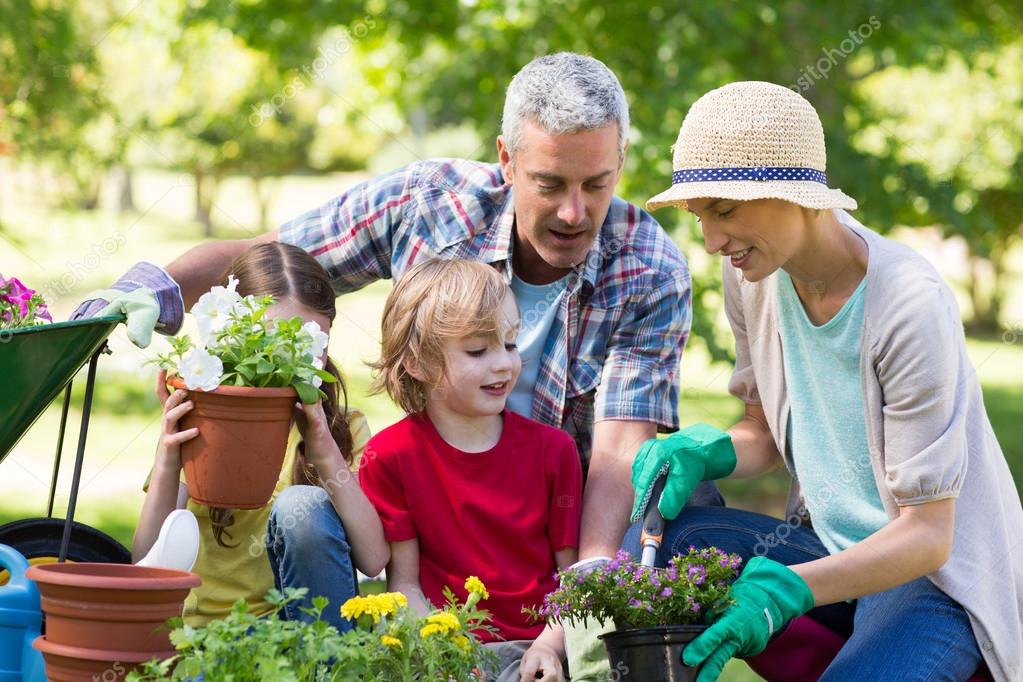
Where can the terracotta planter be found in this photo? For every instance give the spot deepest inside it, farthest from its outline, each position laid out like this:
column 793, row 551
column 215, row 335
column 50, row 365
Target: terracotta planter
column 76, row 664
column 236, row 459
column 651, row 654
column 111, row 606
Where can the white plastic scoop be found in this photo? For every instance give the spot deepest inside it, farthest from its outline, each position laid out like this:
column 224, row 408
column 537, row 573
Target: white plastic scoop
column 177, row 545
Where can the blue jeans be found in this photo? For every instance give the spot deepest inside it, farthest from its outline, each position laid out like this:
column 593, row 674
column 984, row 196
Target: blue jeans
column 910, row 632
column 307, row 547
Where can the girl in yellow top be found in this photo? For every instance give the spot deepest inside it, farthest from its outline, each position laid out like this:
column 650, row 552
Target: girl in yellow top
column 326, row 440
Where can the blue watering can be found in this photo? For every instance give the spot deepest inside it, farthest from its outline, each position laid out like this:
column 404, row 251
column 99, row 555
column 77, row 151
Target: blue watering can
column 20, row 620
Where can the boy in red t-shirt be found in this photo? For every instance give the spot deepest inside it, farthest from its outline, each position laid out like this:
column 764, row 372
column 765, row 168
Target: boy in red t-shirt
column 464, row 486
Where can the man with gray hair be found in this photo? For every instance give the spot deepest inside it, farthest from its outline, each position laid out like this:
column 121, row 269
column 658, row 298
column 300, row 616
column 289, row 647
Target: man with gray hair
column 603, row 292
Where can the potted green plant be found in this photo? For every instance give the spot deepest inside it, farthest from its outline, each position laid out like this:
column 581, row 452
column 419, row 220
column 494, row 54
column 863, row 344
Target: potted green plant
column 655, row 611
column 244, row 376
column 390, row 642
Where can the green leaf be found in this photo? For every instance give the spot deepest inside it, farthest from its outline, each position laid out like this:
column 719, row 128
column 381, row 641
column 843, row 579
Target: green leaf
column 307, row 393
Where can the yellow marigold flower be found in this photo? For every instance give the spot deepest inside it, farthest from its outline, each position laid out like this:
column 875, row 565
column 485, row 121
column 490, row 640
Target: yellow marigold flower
column 431, row 629
column 447, row 621
column 354, row 607
column 357, row 607
column 388, row 603
column 462, row 642
column 474, row 585
column 390, row 641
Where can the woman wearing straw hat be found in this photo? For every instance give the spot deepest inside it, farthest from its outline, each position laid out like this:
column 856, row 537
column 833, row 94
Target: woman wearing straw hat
column 851, row 362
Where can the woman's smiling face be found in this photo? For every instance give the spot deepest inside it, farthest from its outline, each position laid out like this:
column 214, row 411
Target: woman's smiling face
column 758, row 236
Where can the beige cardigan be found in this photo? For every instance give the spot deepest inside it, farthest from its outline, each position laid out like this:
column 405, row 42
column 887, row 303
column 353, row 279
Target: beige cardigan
column 928, row 432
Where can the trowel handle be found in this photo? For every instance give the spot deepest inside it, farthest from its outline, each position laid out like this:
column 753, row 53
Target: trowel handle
column 653, row 524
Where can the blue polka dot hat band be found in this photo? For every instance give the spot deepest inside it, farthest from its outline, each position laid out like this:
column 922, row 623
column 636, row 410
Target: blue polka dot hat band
column 759, row 174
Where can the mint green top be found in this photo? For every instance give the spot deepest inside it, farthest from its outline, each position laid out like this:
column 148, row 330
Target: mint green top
column 928, row 434
column 827, row 427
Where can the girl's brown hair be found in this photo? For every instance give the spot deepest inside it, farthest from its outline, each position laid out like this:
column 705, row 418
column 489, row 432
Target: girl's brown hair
column 286, row 271
column 437, row 300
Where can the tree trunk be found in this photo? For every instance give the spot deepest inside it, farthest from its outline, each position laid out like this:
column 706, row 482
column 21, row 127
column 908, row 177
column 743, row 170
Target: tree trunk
column 126, row 198
column 985, row 297
column 997, row 285
column 263, row 188
column 202, row 203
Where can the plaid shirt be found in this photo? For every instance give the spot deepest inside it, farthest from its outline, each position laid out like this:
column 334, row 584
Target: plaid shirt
column 619, row 331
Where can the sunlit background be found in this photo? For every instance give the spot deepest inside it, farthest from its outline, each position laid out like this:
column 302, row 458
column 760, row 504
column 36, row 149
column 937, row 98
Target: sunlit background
column 133, row 130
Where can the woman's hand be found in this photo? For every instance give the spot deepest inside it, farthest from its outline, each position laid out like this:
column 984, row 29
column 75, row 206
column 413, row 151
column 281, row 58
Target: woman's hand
column 540, row 662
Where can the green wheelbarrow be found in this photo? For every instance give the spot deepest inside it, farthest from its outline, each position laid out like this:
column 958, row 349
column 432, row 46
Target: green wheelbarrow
column 36, row 365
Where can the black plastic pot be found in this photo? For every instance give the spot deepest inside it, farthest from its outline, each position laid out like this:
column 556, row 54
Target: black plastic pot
column 652, row 654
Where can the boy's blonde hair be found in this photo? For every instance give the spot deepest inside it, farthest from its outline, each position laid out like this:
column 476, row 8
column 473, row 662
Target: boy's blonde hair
column 435, row 301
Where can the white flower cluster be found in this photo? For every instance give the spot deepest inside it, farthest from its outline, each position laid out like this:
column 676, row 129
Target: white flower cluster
column 214, row 312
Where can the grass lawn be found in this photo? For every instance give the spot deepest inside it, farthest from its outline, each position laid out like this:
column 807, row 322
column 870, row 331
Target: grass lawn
column 51, row 246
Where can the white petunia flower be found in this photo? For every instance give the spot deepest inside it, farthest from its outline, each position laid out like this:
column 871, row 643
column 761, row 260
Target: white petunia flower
column 320, row 338
column 318, row 364
column 213, row 310
column 200, row 370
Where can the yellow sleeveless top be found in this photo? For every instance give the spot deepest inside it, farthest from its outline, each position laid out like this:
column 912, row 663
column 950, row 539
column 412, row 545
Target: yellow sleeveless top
column 232, row 573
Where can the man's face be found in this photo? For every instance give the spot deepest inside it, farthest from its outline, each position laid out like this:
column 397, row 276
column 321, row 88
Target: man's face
column 563, row 188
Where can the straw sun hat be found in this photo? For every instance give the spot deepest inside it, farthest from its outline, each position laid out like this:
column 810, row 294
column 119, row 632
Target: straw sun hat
column 751, row 140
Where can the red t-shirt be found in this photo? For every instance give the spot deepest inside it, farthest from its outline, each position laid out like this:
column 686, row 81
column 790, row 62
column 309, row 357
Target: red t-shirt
column 499, row 514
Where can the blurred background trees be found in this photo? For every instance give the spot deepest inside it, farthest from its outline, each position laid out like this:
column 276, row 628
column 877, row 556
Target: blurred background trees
column 921, row 104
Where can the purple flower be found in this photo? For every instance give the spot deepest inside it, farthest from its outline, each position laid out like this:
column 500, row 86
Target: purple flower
column 667, row 592
column 698, row 574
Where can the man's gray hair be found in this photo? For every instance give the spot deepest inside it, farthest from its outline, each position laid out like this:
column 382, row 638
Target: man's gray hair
column 564, row 93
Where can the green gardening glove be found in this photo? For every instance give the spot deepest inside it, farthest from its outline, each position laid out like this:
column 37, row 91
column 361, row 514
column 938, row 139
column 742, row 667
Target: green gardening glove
column 139, row 305
column 767, row 596
column 696, row 453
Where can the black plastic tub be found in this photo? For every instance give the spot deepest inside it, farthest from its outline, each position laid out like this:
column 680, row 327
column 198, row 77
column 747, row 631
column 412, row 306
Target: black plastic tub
column 652, row 654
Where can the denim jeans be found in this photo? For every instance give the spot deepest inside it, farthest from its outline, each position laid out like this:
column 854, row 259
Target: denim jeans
column 910, row 632
column 307, row 547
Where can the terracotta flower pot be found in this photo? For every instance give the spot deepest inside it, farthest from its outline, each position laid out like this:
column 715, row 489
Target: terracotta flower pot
column 76, row 664
column 236, row 459
column 111, row 606
column 651, row 654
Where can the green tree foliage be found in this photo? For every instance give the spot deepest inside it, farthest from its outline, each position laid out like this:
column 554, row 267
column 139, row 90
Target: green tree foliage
column 964, row 126
column 267, row 87
column 51, row 100
column 455, row 59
